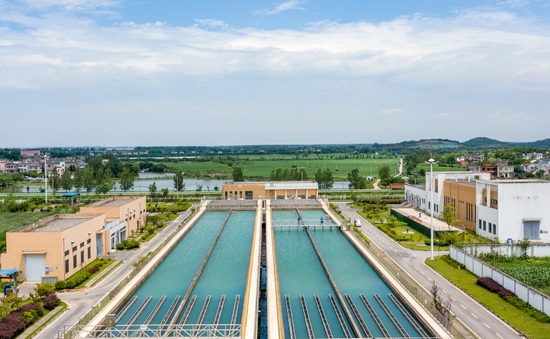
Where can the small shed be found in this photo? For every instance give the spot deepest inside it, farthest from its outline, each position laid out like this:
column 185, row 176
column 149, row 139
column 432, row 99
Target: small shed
column 71, row 199
column 396, row 186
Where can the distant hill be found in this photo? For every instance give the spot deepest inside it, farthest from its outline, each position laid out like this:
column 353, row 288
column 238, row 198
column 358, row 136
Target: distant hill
column 427, row 144
column 545, row 143
column 482, row 142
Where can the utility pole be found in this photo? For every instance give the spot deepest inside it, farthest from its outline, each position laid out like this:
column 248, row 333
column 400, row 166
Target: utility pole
column 46, row 176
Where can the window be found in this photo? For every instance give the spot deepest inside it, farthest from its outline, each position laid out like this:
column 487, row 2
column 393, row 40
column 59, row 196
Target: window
column 88, row 241
column 479, row 223
column 81, row 257
column 82, row 244
column 484, row 225
column 89, row 252
column 74, row 248
column 67, row 266
column 74, row 261
column 494, row 229
column 429, row 205
column 66, row 252
column 490, row 228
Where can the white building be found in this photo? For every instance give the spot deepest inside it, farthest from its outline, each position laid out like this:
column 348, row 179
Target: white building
column 507, row 209
column 420, row 195
column 513, row 209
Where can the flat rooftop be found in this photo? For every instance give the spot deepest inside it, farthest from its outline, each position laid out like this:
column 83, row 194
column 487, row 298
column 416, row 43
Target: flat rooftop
column 114, row 202
column 57, row 223
column 463, row 182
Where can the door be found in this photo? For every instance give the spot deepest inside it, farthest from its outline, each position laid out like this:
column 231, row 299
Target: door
column 99, row 244
column 531, row 230
column 34, row 267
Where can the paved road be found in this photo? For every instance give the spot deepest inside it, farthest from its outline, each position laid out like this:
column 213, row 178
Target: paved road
column 481, row 321
column 81, row 302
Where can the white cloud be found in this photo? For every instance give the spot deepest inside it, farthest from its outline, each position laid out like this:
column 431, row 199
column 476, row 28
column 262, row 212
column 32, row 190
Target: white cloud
column 493, row 50
column 70, row 4
column 213, row 23
column 292, row 4
column 391, row 110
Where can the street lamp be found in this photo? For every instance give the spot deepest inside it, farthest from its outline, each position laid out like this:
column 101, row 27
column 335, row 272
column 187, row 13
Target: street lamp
column 46, row 177
column 431, row 161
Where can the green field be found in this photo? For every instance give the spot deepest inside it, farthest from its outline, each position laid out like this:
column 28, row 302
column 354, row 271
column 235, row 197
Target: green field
column 466, row 281
column 10, row 221
column 255, row 167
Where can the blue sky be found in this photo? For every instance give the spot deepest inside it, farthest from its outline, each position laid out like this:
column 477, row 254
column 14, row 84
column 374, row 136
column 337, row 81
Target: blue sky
column 190, row 72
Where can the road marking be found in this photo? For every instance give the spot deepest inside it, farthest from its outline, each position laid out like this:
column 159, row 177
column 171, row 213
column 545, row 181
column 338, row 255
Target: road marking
column 499, row 336
column 453, row 298
column 416, row 268
column 410, row 263
column 464, row 307
column 486, row 325
column 444, row 291
column 473, row 315
column 394, row 250
column 422, row 273
column 430, row 279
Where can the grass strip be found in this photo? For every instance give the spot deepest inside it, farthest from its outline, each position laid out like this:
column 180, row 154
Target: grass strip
column 111, row 269
column 466, row 281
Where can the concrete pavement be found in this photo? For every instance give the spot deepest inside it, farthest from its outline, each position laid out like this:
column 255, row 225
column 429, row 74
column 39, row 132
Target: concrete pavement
column 82, row 301
column 476, row 317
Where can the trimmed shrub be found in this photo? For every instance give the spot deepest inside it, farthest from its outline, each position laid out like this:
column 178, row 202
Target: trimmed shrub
column 525, row 307
column 489, row 284
column 93, row 269
column 70, row 284
column 60, row 285
column 51, row 301
column 11, row 326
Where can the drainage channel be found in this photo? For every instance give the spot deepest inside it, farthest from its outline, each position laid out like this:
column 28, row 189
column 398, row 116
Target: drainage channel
column 375, row 316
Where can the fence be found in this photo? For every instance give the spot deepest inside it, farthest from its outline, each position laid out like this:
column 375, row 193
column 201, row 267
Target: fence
column 73, row 331
column 508, row 250
column 480, row 268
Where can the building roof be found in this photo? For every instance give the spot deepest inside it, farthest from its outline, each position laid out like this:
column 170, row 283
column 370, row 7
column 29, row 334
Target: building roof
column 57, row 223
column 71, row 194
column 463, row 182
column 114, row 202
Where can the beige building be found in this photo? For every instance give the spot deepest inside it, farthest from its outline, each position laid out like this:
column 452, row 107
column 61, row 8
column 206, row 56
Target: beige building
column 131, row 210
column 461, row 194
column 60, row 245
column 56, row 246
column 270, row 190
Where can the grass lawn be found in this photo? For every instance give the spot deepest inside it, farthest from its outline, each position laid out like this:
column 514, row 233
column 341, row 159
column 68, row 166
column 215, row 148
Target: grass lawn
column 104, row 263
column 466, row 281
column 10, row 221
column 254, row 167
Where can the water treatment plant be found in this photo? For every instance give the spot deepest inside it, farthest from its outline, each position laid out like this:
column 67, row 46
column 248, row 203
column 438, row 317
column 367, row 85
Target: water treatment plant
column 263, row 268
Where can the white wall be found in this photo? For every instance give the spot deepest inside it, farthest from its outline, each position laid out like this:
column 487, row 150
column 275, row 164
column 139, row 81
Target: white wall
column 519, row 201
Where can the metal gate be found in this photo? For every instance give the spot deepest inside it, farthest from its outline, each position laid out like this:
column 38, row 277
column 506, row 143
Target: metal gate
column 34, row 267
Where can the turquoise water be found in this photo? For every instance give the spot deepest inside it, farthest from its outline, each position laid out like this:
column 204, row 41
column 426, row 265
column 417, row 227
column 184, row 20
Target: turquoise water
column 228, row 264
column 300, row 272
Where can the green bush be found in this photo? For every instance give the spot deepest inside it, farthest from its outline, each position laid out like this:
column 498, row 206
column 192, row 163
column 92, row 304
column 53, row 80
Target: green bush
column 60, row 285
column 69, row 284
column 525, row 307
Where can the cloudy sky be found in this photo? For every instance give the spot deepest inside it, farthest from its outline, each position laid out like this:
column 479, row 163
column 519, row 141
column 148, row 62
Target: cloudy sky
column 231, row 72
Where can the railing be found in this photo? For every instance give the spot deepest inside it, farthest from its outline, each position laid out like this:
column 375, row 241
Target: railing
column 73, row 330
column 158, row 331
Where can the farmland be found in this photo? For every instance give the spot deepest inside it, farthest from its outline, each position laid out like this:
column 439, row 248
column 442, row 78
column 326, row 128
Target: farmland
column 260, row 167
